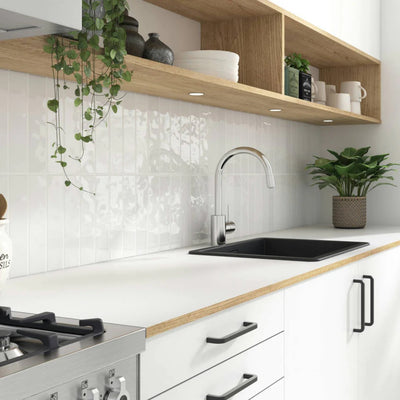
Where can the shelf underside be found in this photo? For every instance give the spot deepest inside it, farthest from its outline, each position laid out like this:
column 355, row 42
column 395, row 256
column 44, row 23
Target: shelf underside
column 26, row 55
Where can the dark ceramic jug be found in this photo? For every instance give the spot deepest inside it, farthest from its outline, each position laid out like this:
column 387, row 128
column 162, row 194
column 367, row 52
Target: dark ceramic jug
column 156, row 50
column 134, row 40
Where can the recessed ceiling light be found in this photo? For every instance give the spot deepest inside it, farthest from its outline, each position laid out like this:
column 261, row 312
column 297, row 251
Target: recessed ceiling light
column 196, row 94
column 327, row 121
column 275, row 109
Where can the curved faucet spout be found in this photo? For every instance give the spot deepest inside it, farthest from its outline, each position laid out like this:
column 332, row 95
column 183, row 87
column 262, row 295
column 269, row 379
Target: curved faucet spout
column 225, row 158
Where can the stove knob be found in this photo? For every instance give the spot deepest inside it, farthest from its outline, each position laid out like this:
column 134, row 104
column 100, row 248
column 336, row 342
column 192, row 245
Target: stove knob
column 90, row 394
column 117, row 386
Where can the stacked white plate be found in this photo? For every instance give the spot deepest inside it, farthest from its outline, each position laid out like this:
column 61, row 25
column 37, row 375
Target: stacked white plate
column 222, row 64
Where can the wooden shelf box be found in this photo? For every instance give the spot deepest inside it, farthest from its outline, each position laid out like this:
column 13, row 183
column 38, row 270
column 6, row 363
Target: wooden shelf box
column 261, row 33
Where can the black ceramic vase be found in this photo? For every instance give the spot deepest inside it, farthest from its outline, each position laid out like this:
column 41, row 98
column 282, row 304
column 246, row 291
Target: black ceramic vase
column 156, row 50
column 134, row 40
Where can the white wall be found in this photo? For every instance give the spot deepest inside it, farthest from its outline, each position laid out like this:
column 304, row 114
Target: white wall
column 152, row 170
column 383, row 204
column 179, row 32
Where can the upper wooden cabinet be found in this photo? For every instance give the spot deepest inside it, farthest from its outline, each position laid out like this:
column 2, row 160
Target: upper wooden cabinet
column 261, row 33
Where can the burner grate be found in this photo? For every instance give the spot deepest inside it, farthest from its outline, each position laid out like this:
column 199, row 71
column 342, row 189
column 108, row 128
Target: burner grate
column 45, row 328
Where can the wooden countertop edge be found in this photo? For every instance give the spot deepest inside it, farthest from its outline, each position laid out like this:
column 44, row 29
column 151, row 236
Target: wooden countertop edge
column 234, row 301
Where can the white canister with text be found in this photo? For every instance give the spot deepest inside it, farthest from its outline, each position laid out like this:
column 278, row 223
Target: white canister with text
column 5, row 252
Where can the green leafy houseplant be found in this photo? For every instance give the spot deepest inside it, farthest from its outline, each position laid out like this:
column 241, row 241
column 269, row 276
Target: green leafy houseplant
column 352, row 172
column 298, row 62
column 97, row 74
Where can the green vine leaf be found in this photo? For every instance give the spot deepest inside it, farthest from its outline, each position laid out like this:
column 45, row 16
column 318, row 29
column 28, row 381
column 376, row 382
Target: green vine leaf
column 61, row 149
column 52, row 105
column 78, row 102
column 85, row 90
column 78, row 78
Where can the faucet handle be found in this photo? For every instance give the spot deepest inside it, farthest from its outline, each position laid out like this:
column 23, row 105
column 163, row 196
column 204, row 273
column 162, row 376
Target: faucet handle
column 230, row 227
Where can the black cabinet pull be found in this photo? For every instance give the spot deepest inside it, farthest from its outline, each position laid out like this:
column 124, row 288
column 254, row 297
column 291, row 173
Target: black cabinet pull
column 249, row 380
column 246, row 328
column 361, row 283
column 372, row 300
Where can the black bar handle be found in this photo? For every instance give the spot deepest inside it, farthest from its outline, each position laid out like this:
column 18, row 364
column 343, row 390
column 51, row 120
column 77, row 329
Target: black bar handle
column 249, row 380
column 361, row 283
column 246, row 328
column 372, row 300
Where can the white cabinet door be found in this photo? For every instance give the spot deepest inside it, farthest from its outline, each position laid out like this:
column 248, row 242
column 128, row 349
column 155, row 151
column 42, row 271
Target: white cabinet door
column 379, row 344
column 262, row 364
column 274, row 392
column 320, row 345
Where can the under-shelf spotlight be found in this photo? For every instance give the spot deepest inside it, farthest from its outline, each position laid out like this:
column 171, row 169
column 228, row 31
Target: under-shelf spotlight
column 275, row 109
column 196, row 94
column 327, row 121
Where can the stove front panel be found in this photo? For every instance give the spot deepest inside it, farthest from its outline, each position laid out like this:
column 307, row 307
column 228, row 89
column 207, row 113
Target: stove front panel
column 83, row 386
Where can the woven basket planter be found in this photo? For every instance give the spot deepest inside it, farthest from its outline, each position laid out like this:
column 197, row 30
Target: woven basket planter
column 349, row 212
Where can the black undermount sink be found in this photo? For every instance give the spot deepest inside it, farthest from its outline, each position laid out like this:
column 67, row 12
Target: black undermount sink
column 282, row 249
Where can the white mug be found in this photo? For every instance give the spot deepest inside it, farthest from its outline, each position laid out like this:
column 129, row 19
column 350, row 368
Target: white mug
column 354, row 88
column 320, row 92
column 340, row 100
column 356, row 107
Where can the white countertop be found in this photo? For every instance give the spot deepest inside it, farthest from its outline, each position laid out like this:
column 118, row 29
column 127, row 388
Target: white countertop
column 148, row 290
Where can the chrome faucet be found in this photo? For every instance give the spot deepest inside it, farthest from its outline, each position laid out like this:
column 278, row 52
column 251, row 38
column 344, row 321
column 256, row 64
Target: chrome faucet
column 219, row 226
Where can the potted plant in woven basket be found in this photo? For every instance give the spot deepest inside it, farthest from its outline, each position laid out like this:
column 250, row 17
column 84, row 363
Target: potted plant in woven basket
column 353, row 174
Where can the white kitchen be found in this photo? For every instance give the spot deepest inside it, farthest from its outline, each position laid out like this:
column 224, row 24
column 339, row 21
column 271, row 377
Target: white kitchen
column 199, row 200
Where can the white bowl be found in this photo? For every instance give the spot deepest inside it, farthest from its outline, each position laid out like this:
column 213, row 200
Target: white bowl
column 234, row 77
column 209, row 54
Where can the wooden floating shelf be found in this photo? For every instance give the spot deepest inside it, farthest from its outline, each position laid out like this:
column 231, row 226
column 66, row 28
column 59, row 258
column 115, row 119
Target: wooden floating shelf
column 262, row 34
column 149, row 77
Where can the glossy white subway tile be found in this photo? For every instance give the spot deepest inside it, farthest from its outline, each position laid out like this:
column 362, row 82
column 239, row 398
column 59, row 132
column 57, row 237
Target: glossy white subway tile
column 37, row 223
column 18, row 137
column 18, row 214
column 152, row 168
column 55, row 222
column 4, row 119
column 72, row 227
column 87, row 227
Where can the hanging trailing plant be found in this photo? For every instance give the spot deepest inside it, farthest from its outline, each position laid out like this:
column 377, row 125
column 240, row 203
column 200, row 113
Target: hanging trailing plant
column 97, row 74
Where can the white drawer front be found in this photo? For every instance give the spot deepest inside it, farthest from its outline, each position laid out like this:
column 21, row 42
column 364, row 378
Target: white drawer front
column 274, row 392
column 264, row 360
column 182, row 353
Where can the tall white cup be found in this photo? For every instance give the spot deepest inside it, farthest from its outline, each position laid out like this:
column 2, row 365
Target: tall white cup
column 354, row 88
column 340, row 100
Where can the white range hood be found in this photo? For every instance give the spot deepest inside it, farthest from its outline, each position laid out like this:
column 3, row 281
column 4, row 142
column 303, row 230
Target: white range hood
column 21, row 18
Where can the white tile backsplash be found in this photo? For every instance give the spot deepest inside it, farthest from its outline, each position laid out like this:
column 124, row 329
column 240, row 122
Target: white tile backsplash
column 152, row 169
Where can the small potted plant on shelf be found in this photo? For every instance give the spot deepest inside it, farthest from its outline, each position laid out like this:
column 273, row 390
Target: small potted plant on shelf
column 297, row 78
column 353, row 174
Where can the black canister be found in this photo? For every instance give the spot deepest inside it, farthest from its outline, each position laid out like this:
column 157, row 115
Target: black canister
column 158, row 51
